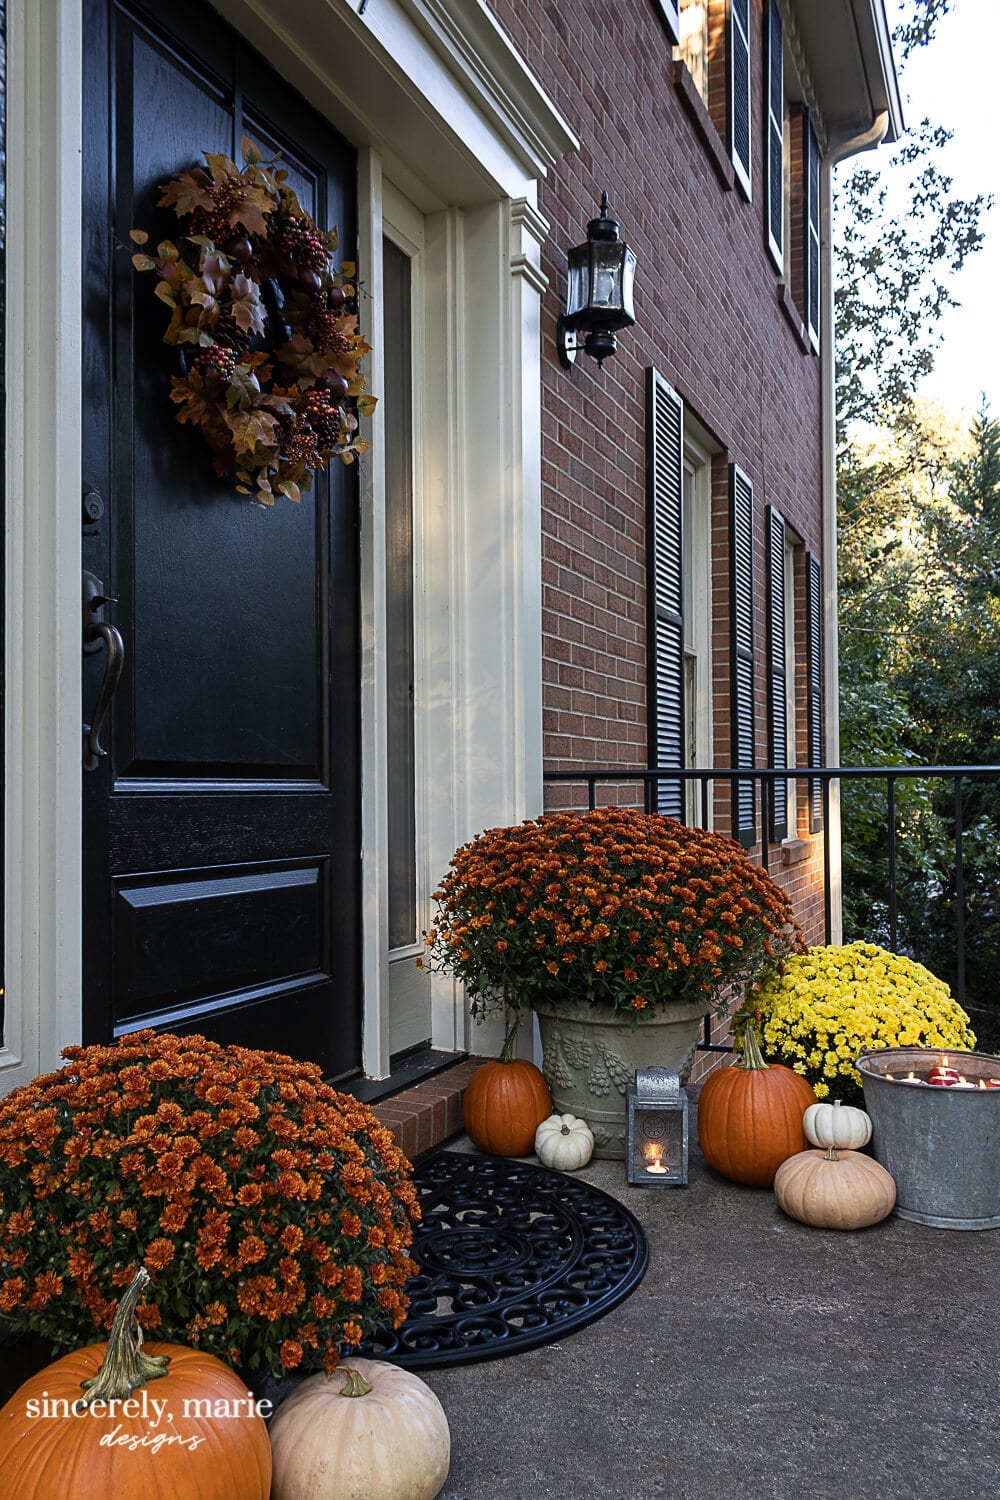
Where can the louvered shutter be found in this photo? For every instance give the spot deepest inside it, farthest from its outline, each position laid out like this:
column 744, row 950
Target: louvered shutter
column 814, row 686
column 777, row 696
column 775, row 107
column 741, row 653
column 665, row 564
column 738, row 58
column 811, row 232
column 670, row 16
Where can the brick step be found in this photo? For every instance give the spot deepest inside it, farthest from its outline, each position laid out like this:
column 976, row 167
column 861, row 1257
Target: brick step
column 429, row 1113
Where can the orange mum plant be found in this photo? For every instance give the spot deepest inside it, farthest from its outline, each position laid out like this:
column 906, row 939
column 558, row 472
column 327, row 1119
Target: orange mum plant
column 619, row 910
column 275, row 1212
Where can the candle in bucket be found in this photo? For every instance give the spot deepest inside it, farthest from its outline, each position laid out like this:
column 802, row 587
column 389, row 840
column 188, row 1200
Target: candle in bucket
column 943, row 1075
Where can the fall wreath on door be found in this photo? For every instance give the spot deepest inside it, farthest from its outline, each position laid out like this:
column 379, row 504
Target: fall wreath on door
column 266, row 324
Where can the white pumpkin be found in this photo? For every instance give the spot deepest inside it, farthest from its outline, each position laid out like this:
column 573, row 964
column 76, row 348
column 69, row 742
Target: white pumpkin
column 564, row 1143
column 383, row 1436
column 837, row 1127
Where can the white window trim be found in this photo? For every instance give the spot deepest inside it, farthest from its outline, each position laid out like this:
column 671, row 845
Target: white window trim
column 468, row 131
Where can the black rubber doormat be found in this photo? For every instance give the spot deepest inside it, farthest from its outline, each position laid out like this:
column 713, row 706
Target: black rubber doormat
column 511, row 1256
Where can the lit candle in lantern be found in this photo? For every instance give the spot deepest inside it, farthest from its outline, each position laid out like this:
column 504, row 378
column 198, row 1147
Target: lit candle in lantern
column 655, row 1167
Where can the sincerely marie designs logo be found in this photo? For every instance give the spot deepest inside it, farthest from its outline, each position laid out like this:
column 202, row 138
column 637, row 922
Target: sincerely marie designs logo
column 158, row 1423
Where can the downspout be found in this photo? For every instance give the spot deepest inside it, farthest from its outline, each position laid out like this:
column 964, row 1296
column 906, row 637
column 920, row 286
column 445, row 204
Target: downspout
column 866, row 141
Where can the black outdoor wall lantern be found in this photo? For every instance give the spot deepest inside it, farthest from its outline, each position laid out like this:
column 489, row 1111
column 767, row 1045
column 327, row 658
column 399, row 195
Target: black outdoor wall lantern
column 598, row 292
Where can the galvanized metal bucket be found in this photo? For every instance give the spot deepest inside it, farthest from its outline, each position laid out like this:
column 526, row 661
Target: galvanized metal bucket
column 940, row 1145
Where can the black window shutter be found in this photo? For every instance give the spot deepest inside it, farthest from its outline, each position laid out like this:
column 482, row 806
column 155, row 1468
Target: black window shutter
column 738, row 75
column 777, row 696
column 741, row 626
column 670, row 16
column 775, row 109
column 665, row 566
column 814, row 685
column 811, row 247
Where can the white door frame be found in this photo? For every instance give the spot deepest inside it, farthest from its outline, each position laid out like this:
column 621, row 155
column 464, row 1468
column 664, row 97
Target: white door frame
column 432, row 93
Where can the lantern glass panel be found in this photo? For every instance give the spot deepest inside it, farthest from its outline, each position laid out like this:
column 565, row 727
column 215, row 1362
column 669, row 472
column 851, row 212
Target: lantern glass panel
column 607, row 269
column 628, row 282
column 578, row 282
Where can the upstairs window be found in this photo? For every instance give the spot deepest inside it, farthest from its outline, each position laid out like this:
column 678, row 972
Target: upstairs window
column 715, row 47
column 693, row 48
column 774, row 113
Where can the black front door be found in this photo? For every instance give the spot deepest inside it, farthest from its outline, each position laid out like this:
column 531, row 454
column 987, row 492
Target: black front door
column 221, row 829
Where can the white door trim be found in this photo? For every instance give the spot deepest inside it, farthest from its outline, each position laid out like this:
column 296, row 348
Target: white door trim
column 43, row 620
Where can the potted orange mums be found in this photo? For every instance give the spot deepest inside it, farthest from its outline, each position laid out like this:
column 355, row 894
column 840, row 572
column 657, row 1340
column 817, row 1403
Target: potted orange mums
column 620, row 930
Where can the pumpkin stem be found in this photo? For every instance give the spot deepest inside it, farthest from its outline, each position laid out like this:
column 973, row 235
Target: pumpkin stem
column 355, row 1384
column 124, row 1367
column 753, row 1059
column 830, row 1154
column 507, row 1051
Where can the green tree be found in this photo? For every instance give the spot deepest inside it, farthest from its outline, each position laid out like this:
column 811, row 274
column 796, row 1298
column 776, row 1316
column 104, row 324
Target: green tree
column 901, row 235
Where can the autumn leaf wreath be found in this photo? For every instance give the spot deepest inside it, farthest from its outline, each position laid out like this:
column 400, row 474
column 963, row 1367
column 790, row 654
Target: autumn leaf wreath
column 266, row 323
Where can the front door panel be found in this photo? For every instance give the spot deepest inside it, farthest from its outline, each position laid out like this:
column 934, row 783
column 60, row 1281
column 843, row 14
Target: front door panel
column 221, row 831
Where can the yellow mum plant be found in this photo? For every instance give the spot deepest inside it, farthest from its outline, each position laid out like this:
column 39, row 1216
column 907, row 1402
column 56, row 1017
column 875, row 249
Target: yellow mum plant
column 829, row 1004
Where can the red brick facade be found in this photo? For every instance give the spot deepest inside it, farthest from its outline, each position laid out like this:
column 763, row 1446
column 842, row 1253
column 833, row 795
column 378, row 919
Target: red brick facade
column 711, row 319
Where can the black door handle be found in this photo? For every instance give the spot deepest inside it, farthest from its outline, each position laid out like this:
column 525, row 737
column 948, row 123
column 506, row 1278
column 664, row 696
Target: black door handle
column 94, row 633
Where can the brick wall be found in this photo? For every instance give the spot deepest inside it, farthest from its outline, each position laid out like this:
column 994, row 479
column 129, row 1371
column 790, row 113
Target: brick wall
column 710, row 320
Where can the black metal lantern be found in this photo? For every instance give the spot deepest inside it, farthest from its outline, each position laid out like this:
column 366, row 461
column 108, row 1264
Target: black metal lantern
column 657, row 1139
column 598, row 291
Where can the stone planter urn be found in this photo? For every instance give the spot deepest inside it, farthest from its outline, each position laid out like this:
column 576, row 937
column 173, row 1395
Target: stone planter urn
column 591, row 1058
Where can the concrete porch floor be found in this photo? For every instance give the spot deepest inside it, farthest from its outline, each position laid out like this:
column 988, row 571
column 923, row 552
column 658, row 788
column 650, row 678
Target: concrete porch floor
column 757, row 1360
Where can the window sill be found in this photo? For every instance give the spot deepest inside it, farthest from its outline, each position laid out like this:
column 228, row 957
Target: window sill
column 703, row 124
column 794, row 851
column 791, row 312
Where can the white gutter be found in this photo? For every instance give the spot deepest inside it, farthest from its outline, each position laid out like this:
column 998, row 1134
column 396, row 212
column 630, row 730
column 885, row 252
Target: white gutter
column 866, row 141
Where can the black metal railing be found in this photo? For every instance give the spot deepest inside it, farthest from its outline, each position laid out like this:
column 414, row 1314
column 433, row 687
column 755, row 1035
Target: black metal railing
column 826, row 782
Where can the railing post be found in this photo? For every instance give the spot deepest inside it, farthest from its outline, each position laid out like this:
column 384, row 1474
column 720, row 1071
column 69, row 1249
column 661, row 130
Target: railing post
column 959, row 896
column 893, row 906
column 827, row 861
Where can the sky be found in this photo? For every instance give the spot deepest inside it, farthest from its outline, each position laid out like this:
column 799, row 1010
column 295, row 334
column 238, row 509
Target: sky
column 954, row 81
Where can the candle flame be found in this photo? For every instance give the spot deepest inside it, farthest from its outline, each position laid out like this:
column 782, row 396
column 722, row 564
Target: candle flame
column 910, row 1077
column 890, row 1078
column 944, row 1062
column 982, row 1083
column 962, row 1078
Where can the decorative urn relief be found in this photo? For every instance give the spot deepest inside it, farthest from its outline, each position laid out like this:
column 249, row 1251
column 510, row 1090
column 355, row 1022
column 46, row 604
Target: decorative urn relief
column 590, row 1061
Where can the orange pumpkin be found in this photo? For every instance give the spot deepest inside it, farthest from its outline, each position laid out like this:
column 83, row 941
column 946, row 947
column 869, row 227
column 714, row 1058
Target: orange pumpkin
column 183, row 1424
column 750, row 1116
column 505, row 1102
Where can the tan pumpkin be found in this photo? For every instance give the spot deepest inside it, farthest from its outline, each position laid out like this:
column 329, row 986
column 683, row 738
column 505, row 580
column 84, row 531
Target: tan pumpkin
column 834, row 1189
column 369, row 1431
column 184, row 1424
column 750, row 1116
column 505, row 1102
column 837, row 1127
